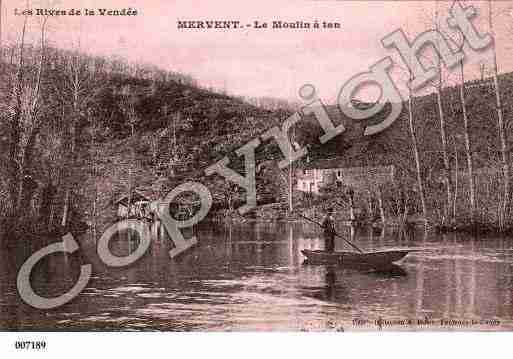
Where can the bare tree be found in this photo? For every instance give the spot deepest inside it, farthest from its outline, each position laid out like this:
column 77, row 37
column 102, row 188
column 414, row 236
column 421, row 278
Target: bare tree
column 128, row 108
column 31, row 110
column 443, row 136
column 416, row 155
column 468, row 147
column 456, row 180
column 15, row 123
column 1, row 48
column 466, row 133
column 502, row 134
column 25, row 116
column 79, row 90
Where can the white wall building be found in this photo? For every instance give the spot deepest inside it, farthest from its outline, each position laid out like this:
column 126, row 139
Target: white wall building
column 320, row 174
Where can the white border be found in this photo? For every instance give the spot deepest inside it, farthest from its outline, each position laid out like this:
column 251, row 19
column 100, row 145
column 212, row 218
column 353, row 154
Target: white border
column 260, row 345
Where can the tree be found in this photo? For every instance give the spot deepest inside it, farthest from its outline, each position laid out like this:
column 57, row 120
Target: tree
column 443, row 136
column 80, row 88
column 25, row 117
column 466, row 132
column 414, row 142
column 468, row 146
column 504, row 205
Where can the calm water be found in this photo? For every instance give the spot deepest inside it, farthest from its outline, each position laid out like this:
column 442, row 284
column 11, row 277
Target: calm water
column 252, row 277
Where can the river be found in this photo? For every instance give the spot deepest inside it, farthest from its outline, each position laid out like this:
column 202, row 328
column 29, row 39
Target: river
column 252, row 278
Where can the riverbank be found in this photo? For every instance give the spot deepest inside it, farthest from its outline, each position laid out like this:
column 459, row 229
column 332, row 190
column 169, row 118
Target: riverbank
column 279, row 212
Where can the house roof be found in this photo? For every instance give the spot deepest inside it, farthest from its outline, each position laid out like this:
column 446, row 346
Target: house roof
column 149, row 195
column 138, row 194
column 341, row 164
column 325, row 163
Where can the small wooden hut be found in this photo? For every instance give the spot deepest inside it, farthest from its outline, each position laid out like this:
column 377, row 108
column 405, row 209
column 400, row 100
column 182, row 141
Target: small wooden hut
column 139, row 206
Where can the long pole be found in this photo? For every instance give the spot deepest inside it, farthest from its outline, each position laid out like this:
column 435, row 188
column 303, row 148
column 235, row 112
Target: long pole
column 336, row 234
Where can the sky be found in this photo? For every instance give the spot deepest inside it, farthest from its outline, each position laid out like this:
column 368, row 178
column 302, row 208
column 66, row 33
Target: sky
column 258, row 62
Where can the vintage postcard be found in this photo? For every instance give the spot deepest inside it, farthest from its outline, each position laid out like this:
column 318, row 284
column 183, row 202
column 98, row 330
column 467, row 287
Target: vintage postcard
column 276, row 166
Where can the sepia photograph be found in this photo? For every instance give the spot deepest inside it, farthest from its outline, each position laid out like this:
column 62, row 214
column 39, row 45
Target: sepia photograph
column 310, row 167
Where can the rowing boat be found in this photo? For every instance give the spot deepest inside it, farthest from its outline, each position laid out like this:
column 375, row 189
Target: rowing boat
column 377, row 259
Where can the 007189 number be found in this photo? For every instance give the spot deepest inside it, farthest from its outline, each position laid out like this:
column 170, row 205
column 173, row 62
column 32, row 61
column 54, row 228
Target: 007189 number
column 30, row 345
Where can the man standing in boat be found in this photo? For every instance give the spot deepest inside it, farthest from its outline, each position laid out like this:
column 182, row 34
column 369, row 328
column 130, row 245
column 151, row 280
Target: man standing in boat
column 329, row 231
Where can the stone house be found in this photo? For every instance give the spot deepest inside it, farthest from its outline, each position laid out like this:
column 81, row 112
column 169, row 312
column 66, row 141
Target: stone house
column 321, row 173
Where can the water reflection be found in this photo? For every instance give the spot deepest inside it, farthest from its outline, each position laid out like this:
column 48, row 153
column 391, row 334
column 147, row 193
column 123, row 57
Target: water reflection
column 252, row 277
